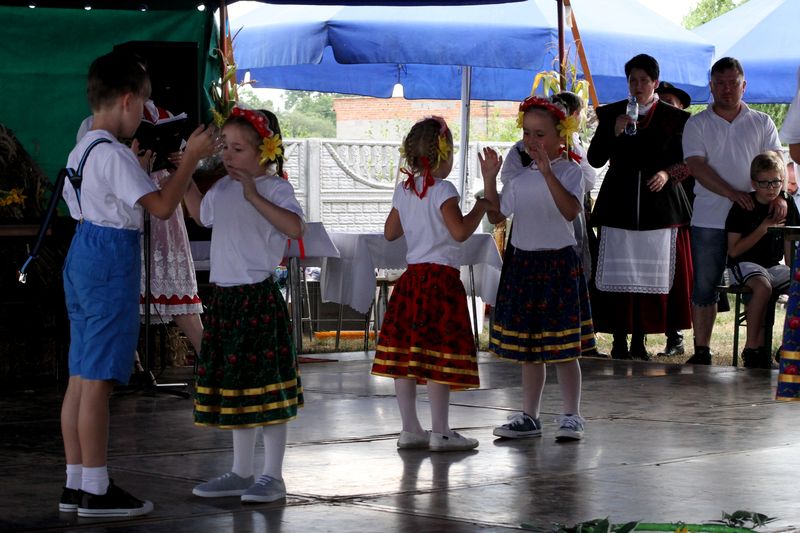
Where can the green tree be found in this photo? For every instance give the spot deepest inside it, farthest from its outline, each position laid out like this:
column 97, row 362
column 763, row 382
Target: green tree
column 311, row 103
column 298, row 125
column 706, row 10
column 254, row 102
column 308, row 114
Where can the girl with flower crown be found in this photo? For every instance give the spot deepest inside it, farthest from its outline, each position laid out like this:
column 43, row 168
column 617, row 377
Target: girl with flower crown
column 426, row 335
column 542, row 313
column 247, row 375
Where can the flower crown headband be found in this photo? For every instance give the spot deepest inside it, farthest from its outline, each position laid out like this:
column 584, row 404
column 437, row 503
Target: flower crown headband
column 271, row 147
column 567, row 125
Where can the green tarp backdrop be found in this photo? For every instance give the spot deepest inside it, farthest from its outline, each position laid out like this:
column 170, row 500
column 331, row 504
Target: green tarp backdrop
column 45, row 55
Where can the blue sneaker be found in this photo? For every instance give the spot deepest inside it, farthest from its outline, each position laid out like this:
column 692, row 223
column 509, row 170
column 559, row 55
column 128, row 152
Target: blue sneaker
column 520, row 426
column 265, row 489
column 571, row 428
column 225, row 485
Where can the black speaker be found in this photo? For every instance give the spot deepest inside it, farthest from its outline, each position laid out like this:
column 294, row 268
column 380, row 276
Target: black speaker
column 174, row 76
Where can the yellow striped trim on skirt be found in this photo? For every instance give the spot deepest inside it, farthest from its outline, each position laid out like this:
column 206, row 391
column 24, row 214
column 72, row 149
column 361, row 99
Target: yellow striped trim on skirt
column 557, row 334
column 263, row 408
column 250, row 392
column 423, row 351
column 246, row 426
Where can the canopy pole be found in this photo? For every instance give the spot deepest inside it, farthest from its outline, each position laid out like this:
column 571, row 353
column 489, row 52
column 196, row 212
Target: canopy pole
column 466, row 90
column 587, row 74
column 562, row 60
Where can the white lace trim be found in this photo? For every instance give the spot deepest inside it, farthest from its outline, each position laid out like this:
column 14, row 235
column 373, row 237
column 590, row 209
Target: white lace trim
column 640, row 262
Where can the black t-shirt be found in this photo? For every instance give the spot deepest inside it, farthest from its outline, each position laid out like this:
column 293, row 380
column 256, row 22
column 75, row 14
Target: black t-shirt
column 768, row 251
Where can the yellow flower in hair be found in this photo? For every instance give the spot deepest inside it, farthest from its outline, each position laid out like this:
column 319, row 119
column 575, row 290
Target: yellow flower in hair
column 442, row 149
column 568, row 126
column 271, row 149
column 520, row 116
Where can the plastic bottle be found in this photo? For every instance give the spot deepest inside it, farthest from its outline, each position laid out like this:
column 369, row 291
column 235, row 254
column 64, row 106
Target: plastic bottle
column 633, row 112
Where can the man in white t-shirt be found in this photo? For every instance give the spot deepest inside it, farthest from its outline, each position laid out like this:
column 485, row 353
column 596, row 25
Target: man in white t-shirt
column 719, row 143
column 790, row 132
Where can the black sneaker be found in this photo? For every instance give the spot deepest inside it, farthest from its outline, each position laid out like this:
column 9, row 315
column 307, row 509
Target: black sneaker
column 115, row 502
column 70, row 498
column 756, row 358
column 702, row 356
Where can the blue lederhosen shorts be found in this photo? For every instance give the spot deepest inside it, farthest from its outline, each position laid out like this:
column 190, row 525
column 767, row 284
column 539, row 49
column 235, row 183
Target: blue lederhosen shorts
column 101, row 285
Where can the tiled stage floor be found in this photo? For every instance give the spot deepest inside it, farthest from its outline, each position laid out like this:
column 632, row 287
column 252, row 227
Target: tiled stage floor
column 663, row 443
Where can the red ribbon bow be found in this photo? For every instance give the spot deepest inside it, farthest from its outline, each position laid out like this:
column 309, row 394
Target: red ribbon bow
column 411, row 182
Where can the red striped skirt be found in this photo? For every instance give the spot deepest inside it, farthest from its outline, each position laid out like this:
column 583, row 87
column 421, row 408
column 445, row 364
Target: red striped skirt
column 426, row 334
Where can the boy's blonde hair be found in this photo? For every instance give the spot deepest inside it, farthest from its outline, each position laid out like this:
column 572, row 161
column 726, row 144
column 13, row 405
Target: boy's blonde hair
column 767, row 161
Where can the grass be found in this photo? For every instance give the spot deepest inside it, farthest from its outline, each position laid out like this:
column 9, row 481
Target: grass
column 721, row 341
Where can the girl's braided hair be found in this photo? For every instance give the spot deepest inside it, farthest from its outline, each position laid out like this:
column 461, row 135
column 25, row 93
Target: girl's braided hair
column 423, row 141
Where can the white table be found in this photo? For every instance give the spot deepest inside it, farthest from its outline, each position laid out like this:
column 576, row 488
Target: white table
column 350, row 278
column 317, row 246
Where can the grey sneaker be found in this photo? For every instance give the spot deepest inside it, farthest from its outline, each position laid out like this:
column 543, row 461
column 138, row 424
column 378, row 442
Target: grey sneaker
column 228, row 484
column 520, row 426
column 413, row 441
column 571, row 427
column 451, row 443
column 266, row 489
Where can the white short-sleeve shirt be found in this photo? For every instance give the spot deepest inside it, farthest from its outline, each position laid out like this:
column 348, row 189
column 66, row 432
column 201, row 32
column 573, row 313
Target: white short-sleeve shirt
column 513, row 164
column 427, row 237
column 113, row 182
column 729, row 148
column 790, row 131
column 245, row 247
column 538, row 224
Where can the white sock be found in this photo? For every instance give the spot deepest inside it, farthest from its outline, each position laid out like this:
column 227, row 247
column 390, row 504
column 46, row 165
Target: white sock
column 569, row 381
column 406, row 391
column 274, row 448
column 74, row 475
column 94, row 480
column 439, row 396
column 244, row 444
column 533, row 378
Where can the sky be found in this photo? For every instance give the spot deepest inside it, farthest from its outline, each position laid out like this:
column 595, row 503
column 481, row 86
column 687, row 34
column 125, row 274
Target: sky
column 674, row 10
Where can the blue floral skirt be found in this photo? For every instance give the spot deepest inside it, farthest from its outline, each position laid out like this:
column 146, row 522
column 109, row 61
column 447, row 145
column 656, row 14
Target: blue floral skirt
column 543, row 312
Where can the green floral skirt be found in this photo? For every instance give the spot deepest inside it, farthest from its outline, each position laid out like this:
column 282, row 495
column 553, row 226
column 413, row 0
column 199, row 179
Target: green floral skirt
column 247, row 372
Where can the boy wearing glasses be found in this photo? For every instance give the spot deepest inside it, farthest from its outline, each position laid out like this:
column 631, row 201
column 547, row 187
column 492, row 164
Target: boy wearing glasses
column 755, row 253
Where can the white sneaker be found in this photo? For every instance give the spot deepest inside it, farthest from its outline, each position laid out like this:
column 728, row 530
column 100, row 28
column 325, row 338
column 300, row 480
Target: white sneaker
column 571, row 427
column 451, row 443
column 413, row 441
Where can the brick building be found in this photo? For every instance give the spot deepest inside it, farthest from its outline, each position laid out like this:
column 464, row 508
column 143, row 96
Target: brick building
column 391, row 118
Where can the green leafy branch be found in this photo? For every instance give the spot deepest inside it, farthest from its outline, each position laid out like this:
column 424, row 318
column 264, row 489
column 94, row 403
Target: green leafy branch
column 737, row 522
